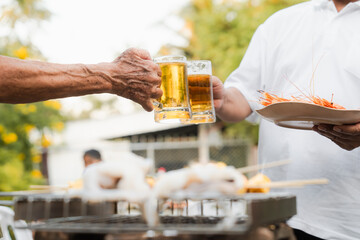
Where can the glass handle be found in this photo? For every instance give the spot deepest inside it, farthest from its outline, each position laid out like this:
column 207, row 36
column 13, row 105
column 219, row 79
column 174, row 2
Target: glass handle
column 156, row 103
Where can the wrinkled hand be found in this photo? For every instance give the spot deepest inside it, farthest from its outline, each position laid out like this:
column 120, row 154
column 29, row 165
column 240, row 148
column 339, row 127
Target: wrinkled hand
column 137, row 77
column 218, row 92
column 345, row 136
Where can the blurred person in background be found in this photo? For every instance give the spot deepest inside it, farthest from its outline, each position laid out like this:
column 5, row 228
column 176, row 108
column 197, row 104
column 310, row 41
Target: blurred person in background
column 132, row 75
column 91, row 156
column 319, row 37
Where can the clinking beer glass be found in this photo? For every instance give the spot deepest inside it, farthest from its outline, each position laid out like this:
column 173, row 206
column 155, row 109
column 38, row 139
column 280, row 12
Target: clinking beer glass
column 173, row 106
column 200, row 92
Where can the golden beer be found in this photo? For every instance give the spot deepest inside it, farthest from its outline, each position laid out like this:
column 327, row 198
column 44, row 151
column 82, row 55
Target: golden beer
column 173, row 106
column 200, row 92
column 173, row 85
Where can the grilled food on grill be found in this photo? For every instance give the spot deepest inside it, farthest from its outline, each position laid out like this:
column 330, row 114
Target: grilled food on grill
column 200, row 178
column 122, row 180
column 258, row 179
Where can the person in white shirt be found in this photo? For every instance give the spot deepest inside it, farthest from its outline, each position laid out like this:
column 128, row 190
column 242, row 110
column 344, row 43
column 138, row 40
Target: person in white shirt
column 91, row 156
column 319, row 37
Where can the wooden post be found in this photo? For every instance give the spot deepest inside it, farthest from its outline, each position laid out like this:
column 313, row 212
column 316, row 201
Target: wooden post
column 203, row 139
column 44, row 164
column 150, row 154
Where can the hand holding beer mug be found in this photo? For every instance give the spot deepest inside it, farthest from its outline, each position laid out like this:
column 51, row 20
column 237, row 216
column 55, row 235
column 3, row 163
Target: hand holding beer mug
column 173, row 106
column 200, row 92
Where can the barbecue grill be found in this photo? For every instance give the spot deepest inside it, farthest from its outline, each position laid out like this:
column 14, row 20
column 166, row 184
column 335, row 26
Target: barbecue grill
column 180, row 217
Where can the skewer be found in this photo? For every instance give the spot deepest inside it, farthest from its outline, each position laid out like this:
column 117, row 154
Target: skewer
column 24, row 192
column 258, row 167
column 288, row 184
column 48, row 187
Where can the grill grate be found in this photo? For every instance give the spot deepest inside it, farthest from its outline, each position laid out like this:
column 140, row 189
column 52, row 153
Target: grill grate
column 225, row 215
column 123, row 224
column 118, row 220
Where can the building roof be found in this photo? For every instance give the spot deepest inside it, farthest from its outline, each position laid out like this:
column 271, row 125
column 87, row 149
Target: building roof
column 113, row 127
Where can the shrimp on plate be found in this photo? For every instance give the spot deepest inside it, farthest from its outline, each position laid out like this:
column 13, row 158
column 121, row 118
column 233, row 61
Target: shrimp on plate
column 269, row 98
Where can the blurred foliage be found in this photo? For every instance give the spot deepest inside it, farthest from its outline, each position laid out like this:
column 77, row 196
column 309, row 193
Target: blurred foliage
column 20, row 11
column 24, row 131
column 220, row 31
column 24, row 128
column 20, row 18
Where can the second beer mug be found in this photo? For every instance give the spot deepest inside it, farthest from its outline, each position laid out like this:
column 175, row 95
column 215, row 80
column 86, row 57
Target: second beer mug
column 200, row 92
column 173, row 106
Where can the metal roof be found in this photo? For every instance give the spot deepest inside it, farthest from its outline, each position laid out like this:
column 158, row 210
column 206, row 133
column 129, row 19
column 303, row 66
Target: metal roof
column 113, row 127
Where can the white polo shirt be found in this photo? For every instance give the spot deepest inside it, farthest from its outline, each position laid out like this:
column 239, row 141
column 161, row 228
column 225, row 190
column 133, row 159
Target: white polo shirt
column 287, row 48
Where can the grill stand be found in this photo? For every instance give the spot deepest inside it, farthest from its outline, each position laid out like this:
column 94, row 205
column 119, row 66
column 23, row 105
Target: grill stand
column 71, row 217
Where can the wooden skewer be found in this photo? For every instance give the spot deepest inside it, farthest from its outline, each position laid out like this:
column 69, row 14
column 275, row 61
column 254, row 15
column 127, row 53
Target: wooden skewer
column 26, row 192
column 48, row 187
column 288, row 184
column 258, row 167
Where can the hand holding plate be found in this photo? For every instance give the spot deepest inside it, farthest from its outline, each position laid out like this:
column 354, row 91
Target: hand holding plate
column 345, row 136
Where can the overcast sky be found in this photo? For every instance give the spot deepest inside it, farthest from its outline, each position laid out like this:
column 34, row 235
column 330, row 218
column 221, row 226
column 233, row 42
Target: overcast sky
column 90, row 31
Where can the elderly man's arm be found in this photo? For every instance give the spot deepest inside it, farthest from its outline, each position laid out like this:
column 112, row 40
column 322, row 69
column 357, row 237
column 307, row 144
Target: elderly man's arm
column 345, row 136
column 230, row 105
column 132, row 75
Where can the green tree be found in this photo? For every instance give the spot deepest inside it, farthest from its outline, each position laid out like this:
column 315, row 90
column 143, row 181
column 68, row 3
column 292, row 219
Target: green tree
column 20, row 18
column 220, row 31
column 24, row 128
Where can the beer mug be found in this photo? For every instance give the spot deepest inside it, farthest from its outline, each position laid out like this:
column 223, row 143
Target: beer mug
column 200, row 92
column 173, row 106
